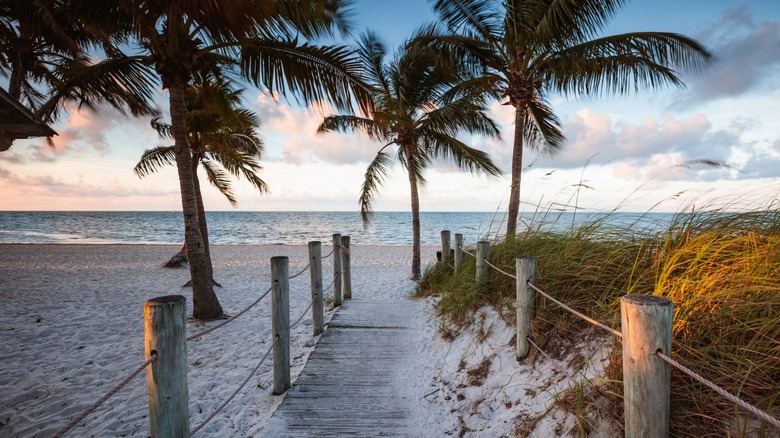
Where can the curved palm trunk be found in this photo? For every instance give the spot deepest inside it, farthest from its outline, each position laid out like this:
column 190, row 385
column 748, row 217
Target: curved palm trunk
column 517, row 167
column 415, row 216
column 204, row 231
column 205, row 304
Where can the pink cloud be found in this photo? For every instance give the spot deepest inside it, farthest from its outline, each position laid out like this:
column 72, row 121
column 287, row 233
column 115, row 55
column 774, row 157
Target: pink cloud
column 296, row 131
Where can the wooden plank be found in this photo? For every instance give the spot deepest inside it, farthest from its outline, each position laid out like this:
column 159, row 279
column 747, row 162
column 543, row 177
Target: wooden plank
column 356, row 380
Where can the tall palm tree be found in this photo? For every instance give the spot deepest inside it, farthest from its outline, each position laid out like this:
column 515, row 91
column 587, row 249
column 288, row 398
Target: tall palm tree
column 223, row 141
column 267, row 38
column 418, row 112
column 528, row 49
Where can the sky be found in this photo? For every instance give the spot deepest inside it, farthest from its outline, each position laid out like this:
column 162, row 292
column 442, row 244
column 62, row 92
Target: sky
column 641, row 152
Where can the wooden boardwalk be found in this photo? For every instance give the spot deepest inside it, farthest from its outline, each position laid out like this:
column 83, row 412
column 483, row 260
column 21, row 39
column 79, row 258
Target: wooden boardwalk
column 356, row 381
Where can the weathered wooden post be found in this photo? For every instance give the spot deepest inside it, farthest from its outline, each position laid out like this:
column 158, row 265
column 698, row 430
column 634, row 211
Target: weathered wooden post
column 525, row 269
column 445, row 246
column 315, row 269
column 458, row 251
column 336, row 270
column 483, row 253
column 280, row 323
column 346, row 266
column 646, row 321
column 165, row 329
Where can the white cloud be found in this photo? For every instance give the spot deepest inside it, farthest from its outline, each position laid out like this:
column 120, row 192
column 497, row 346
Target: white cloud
column 748, row 59
column 291, row 135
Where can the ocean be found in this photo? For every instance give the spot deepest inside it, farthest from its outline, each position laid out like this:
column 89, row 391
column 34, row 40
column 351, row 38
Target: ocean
column 284, row 228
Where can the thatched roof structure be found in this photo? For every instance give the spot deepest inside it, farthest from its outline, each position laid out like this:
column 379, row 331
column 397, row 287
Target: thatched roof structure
column 16, row 121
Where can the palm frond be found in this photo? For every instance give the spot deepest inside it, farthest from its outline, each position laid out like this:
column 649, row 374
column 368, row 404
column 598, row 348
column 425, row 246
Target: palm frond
column 353, row 123
column 622, row 63
column 219, row 179
column 464, row 156
column 121, row 82
column 542, row 128
column 480, row 16
column 155, row 159
column 312, row 74
column 373, row 179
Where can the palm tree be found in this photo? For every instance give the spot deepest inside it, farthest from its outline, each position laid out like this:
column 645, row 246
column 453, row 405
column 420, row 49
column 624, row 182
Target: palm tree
column 223, row 141
column 40, row 39
column 417, row 111
column 527, row 49
column 177, row 39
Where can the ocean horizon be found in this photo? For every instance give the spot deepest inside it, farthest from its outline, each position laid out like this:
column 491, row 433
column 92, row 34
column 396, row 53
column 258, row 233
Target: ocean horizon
column 288, row 227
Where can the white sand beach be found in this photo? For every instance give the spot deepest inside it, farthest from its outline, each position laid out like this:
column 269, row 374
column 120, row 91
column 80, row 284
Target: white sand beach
column 71, row 327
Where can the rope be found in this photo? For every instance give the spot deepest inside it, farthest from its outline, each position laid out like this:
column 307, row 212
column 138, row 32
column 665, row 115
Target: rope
column 249, row 377
column 301, row 317
column 103, row 399
column 469, row 253
column 304, row 270
column 232, row 318
column 499, row 269
column 745, row 405
column 329, row 286
column 328, row 254
column 586, row 318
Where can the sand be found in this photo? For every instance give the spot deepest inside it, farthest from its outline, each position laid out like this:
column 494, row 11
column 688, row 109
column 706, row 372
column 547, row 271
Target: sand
column 71, row 327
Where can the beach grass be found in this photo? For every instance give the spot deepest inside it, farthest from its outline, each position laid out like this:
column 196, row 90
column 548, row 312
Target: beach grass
column 720, row 269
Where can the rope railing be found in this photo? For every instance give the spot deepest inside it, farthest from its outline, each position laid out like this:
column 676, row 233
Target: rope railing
column 709, row 384
column 225, row 403
column 302, row 271
column 642, row 300
column 344, row 248
column 93, row 407
column 232, row 318
column 248, row 378
column 500, row 270
column 581, row 315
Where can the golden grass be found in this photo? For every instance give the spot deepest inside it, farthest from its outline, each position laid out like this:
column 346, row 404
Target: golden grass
column 721, row 270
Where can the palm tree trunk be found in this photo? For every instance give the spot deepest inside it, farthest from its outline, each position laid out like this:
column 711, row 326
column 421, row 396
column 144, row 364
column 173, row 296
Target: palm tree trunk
column 416, row 271
column 517, row 167
column 204, row 231
column 205, row 304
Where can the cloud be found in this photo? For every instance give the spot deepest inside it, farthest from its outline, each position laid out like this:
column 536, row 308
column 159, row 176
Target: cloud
column 86, row 132
column 748, row 53
column 47, row 186
column 762, row 162
column 294, row 132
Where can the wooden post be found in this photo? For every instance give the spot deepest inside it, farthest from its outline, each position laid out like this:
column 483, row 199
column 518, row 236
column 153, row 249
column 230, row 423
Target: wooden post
column 445, row 246
column 336, row 270
column 165, row 329
column 317, row 306
column 646, row 321
column 280, row 323
column 483, row 253
column 525, row 269
column 458, row 251
column 346, row 266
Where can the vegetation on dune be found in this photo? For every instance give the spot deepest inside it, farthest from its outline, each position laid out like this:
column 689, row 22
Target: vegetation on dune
column 720, row 270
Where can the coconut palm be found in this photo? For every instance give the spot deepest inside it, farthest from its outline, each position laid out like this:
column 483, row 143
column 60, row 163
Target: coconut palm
column 223, row 141
column 419, row 113
column 528, row 49
column 39, row 39
column 267, row 39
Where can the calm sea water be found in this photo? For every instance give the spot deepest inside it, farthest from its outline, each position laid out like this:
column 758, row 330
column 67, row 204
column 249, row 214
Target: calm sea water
column 270, row 228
